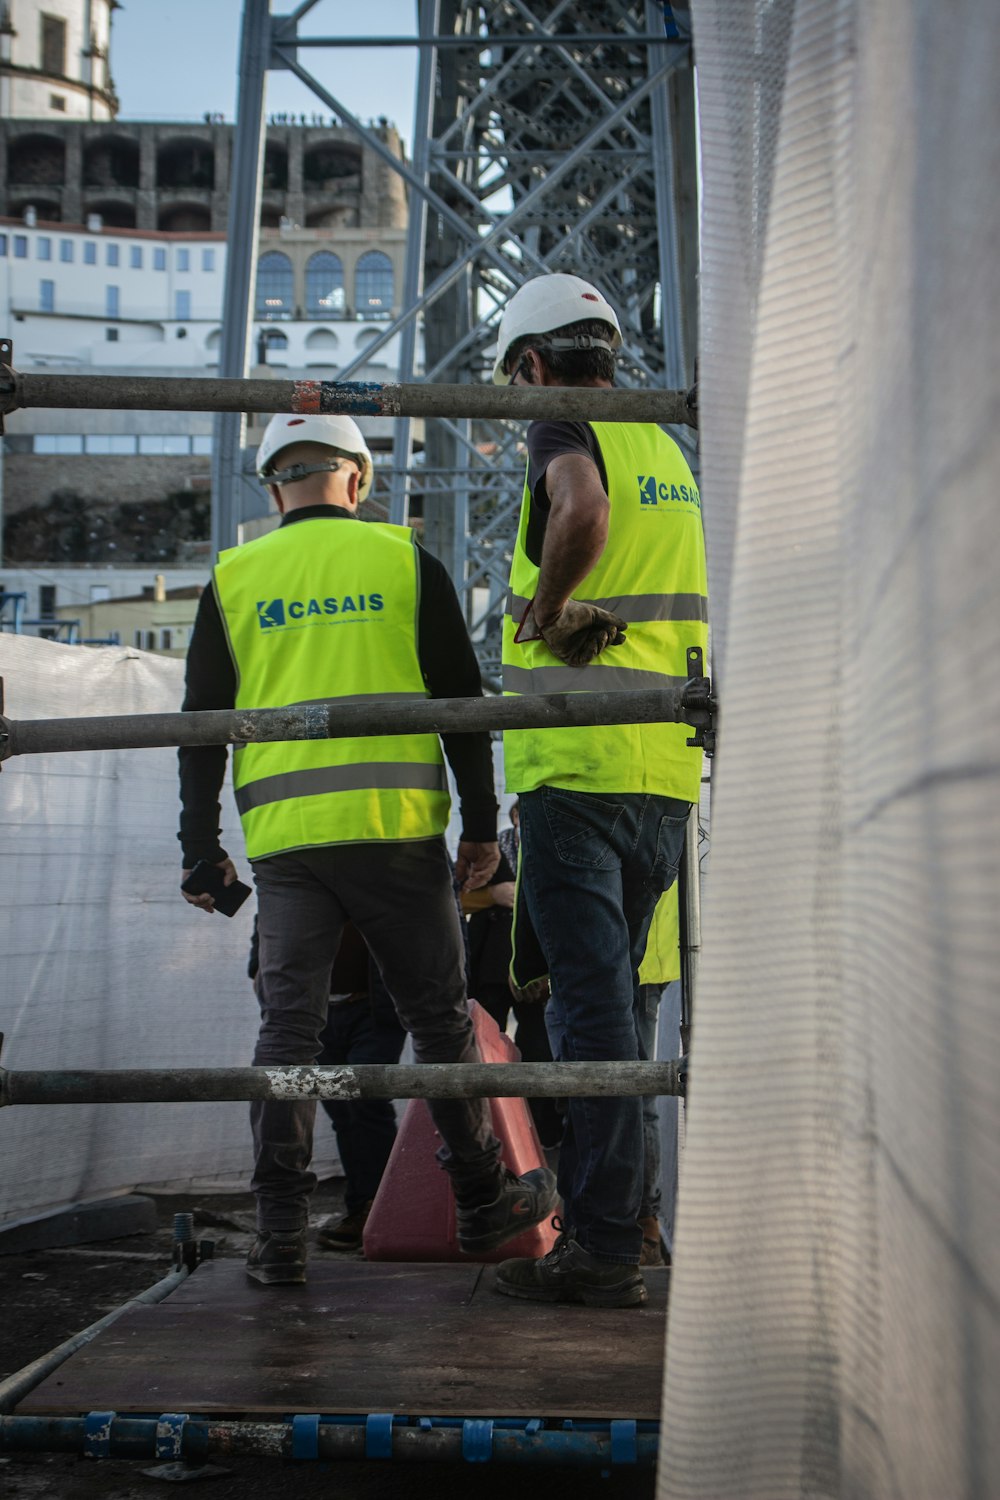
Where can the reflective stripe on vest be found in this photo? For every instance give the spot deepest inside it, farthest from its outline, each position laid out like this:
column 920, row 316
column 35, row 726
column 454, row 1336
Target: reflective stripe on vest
column 320, row 779
column 592, row 679
column 652, row 573
column 323, row 610
column 635, row 607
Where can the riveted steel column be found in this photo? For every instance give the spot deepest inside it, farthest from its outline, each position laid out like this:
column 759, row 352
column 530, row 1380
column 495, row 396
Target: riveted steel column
column 402, row 446
column 229, row 429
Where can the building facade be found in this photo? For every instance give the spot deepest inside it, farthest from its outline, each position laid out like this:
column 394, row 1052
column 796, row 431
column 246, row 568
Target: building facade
column 175, row 177
column 92, row 487
column 55, row 60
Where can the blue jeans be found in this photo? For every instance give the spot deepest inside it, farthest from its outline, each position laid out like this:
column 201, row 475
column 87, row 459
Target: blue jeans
column 593, row 866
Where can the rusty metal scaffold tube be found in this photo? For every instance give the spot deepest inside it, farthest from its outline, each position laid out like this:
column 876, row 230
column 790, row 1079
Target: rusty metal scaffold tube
column 691, row 703
column 342, row 398
column 563, row 1080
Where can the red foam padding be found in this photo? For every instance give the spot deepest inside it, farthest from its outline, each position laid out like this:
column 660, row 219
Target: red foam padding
column 413, row 1216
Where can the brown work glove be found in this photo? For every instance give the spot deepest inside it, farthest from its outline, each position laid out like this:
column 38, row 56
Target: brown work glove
column 579, row 632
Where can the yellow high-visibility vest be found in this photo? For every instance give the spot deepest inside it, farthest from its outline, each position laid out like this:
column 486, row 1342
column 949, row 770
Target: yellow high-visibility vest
column 327, row 608
column 652, row 573
column 662, row 960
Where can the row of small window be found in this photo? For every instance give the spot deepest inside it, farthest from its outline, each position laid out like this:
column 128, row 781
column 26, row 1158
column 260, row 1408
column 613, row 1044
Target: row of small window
column 151, row 444
column 112, row 303
column 112, row 253
column 159, row 640
column 325, row 295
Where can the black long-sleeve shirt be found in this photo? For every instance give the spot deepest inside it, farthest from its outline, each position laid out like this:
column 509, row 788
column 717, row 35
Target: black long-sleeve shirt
column 447, row 662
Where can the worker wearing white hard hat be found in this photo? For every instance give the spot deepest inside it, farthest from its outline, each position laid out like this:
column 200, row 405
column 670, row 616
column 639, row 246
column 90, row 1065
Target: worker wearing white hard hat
column 341, row 435
column 324, row 609
column 550, row 303
column 607, row 593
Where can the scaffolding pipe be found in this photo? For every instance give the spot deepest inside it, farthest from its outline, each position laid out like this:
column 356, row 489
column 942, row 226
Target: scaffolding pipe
column 380, row 1436
column 341, row 397
column 15, row 1387
column 552, row 1080
column 690, row 703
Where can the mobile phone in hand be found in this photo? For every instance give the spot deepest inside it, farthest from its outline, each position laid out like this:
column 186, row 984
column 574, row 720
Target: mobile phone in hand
column 206, row 879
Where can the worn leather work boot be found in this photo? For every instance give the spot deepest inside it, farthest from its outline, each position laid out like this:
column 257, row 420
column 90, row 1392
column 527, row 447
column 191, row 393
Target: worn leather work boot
column 569, row 1273
column 278, row 1259
column 519, row 1203
column 347, row 1234
column 653, row 1252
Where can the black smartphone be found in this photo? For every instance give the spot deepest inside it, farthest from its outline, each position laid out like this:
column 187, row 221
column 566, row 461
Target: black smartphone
column 206, row 879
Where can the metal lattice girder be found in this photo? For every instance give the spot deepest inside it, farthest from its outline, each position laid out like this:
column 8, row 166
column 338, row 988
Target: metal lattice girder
column 562, row 156
column 549, row 135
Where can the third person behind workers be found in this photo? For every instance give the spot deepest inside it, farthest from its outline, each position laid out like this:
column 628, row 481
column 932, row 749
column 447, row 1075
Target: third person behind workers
column 607, row 593
column 327, row 608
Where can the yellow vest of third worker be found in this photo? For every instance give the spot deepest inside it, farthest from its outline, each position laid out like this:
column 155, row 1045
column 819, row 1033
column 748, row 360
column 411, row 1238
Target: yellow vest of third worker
column 319, row 609
column 652, row 573
column 661, row 962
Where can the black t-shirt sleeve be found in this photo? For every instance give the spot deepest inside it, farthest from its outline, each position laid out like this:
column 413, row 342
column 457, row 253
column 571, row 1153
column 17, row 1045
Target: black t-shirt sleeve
column 450, row 670
column 546, row 441
column 210, row 682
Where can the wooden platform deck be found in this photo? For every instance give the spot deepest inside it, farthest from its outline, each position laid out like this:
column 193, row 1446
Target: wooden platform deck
column 416, row 1340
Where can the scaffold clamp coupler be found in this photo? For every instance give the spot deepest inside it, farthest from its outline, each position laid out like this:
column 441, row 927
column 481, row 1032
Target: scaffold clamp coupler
column 97, row 1434
column 170, row 1435
column 700, row 704
column 305, row 1437
column 477, row 1440
column 378, row 1435
column 624, row 1441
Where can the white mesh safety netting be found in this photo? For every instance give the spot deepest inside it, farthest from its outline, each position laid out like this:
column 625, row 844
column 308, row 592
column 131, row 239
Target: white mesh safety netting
column 104, row 964
column 835, row 1307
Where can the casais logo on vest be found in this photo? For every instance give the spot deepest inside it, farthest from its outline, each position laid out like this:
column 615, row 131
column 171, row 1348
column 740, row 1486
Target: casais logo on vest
column 653, row 493
column 276, row 613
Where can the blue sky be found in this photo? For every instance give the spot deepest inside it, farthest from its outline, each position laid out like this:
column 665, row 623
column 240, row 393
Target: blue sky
column 177, row 59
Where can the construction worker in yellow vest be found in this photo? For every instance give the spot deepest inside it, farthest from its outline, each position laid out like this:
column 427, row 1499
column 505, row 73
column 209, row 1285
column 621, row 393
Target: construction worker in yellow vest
column 660, row 968
column 338, row 830
column 607, row 592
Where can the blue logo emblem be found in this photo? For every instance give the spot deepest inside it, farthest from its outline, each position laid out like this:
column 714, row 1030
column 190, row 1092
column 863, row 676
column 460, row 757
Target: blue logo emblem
column 290, row 613
column 653, row 493
column 269, row 616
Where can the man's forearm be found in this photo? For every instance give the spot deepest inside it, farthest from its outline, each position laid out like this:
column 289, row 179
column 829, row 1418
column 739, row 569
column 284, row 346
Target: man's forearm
column 576, row 533
column 569, row 554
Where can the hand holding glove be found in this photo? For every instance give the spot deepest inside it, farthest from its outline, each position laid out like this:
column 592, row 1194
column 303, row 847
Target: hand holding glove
column 579, row 632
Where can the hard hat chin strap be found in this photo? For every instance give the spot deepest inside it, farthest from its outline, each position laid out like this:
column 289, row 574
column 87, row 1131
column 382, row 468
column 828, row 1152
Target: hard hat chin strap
column 581, row 341
column 561, row 346
column 295, row 472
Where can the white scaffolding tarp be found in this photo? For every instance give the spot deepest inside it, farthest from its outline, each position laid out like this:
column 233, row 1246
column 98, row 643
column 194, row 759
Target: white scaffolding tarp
column 104, row 964
column 835, row 1306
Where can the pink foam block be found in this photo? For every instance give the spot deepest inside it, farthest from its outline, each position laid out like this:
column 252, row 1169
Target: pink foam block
column 413, row 1216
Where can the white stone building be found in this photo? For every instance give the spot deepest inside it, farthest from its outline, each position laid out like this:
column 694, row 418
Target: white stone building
column 54, row 60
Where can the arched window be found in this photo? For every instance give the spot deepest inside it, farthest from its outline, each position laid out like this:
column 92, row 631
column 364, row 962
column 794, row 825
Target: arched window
column 275, row 294
column 322, row 338
column 373, row 285
column 324, row 285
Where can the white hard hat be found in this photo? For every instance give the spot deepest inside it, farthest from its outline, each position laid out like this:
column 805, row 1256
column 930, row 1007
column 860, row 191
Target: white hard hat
column 549, row 302
column 342, row 434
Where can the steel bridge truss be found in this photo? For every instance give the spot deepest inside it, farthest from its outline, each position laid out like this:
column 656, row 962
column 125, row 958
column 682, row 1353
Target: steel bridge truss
column 549, row 135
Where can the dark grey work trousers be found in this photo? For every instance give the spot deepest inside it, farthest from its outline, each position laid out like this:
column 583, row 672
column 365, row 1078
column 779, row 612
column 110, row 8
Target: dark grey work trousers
column 399, row 897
